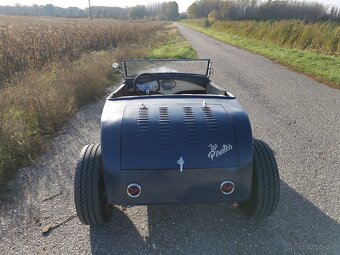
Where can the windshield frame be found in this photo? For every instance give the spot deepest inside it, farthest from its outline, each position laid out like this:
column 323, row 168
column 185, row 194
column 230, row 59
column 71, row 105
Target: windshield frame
column 207, row 73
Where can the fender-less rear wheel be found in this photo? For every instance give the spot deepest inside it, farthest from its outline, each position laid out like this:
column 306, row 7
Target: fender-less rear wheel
column 89, row 191
column 266, row 183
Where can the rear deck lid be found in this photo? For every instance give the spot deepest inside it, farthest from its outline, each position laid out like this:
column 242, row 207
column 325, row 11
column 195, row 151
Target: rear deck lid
column 170, row 135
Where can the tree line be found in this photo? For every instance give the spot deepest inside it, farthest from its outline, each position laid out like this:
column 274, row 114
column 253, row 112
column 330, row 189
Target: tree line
column 156, row 11
column 159, row 11
column 260, row 10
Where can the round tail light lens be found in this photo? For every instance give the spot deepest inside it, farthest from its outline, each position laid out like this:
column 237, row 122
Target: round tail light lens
column 227, row 187
column 134, row 190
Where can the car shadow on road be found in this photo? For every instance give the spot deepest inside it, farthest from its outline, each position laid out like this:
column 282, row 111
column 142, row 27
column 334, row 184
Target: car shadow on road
column 298, row 227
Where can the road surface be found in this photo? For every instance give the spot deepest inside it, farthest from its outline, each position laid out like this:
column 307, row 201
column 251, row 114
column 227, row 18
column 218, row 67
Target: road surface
column 297, row 116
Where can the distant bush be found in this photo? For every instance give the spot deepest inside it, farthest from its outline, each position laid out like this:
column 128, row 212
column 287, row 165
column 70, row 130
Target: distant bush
column 207, row 23
column 213, row 15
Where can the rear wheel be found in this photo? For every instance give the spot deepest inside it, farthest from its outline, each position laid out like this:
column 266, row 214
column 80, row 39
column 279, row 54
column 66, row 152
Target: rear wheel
column 265, row 185
column 89, row 192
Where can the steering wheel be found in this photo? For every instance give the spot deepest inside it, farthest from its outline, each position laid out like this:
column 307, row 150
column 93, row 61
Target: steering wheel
column 140, row 80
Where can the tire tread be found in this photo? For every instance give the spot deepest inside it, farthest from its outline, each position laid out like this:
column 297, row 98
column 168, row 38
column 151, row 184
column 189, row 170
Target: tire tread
column 266, row 183
column 89, row 187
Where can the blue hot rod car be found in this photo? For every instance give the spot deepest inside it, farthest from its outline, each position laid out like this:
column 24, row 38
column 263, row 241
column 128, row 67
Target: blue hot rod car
column 170, row 135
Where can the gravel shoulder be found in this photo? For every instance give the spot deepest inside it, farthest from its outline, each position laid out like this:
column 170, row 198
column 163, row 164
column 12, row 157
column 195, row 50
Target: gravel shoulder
column 297, row 116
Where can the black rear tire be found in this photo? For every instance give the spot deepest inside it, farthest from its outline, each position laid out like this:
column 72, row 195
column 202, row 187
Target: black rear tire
column 89, row 191
column 265, row 185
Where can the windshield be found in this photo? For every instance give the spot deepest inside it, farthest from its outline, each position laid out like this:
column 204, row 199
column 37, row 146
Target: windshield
column 192, row 66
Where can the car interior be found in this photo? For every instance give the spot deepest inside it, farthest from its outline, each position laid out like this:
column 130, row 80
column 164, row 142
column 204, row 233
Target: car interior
column 166, row 84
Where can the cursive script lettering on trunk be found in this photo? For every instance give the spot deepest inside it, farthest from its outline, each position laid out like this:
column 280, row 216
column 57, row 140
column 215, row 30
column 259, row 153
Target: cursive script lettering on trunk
column 215, row 151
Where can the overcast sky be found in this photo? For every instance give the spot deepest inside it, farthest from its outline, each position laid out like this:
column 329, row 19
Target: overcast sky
column 183, row 4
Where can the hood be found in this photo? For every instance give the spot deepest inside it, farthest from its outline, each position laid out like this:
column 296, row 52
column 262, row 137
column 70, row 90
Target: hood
column 171, row 136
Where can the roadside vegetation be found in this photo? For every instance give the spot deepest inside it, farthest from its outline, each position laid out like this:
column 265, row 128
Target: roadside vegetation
column 309, row 48
column 58, row 77
column 174, row 46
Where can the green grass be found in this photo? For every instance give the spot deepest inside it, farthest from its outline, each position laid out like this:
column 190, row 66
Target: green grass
column 176, row 48
column 324, row 68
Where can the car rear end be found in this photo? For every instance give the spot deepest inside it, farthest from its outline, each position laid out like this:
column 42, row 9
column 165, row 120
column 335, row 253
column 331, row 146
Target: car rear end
column 188, row 149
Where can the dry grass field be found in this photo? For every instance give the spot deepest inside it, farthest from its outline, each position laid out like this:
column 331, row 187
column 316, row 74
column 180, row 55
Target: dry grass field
column 32, row 43
column 50, row 66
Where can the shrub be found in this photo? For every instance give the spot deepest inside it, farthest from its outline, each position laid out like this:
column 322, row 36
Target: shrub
column 213, row 15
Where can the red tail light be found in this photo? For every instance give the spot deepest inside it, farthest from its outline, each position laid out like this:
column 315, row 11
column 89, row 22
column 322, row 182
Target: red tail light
column 227, row 187
column 134, row 190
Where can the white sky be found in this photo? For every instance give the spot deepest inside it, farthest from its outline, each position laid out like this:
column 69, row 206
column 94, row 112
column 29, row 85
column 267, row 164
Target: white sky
column 183, row 4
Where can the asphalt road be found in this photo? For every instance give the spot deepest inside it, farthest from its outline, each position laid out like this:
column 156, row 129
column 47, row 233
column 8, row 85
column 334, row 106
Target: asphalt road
column 297, row 116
